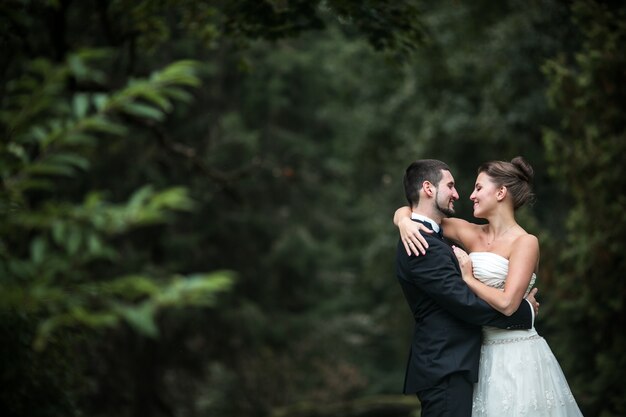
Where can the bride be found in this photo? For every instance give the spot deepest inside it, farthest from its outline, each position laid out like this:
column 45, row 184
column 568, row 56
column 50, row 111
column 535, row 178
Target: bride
column 518, row 373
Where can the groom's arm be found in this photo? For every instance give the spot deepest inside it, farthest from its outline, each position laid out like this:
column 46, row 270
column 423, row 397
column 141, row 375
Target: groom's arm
column 437, row 273
column 518, row 320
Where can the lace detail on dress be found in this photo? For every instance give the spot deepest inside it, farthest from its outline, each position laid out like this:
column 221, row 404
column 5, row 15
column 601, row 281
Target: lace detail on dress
column 518, row 373
column 521, row 378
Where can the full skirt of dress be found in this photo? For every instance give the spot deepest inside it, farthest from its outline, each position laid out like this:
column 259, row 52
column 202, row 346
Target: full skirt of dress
column 520, row 376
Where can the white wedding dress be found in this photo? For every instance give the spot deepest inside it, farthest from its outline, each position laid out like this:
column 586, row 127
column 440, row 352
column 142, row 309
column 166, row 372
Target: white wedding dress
column 518, row 374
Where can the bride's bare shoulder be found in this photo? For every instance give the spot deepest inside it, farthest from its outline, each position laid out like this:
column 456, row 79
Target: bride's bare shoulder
column 526, row 240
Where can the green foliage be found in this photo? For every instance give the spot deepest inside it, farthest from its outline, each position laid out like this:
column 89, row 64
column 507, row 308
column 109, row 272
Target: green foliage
column 586, row 153
column 51, row 247
column 284, row 166
column 66, row 238
column 375, row 18
column 89, row 246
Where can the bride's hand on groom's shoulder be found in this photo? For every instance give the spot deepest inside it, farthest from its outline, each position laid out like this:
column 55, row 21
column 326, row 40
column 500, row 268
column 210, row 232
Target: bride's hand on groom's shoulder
column 412, row 239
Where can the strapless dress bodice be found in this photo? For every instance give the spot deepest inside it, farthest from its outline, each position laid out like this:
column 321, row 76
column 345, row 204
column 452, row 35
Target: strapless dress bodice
column 492, row 269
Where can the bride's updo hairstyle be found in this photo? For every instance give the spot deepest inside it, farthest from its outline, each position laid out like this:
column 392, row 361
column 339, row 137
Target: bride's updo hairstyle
column 516, row 176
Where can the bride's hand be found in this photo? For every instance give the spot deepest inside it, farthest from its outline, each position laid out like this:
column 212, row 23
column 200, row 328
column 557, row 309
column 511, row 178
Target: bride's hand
column 465, row 262
column 412, row 239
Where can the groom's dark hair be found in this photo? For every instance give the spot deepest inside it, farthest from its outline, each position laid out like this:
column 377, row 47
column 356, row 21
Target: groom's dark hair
column 418, row 172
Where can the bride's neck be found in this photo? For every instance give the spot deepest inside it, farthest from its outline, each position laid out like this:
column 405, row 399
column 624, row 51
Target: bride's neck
column 501, row 224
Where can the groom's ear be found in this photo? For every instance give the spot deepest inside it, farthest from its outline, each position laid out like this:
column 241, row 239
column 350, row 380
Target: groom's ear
column 428, row 188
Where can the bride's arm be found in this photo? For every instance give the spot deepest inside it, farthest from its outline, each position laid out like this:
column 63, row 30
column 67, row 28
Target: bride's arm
column 410, row 235
column 522, row 264
column 458, row 230
column 402, row 213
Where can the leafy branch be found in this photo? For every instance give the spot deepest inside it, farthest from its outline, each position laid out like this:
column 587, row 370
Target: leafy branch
column 48, row 248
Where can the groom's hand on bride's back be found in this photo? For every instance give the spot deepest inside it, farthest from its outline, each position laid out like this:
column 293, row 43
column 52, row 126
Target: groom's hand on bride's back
column 531, row 297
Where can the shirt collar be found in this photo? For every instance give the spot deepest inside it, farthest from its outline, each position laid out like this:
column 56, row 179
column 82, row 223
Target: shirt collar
column 434, row 224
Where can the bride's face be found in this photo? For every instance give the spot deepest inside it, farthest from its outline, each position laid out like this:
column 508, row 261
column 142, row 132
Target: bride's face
column 484, row 195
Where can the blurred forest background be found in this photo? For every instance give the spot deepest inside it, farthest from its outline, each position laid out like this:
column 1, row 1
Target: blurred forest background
column 197, row 197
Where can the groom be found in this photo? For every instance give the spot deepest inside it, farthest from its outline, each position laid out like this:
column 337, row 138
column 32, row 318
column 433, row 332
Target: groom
column 443, row 362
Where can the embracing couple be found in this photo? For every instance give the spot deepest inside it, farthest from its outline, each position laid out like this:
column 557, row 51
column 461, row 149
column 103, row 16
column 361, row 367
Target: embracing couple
column 475, row 351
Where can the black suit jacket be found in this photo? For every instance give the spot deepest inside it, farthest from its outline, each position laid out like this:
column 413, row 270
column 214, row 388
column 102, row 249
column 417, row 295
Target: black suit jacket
column 448, row 316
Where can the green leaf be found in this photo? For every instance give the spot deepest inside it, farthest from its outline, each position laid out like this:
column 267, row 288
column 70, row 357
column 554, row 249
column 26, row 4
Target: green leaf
column 38, row 250
column 77, row 66
column 197, row 290
column 142, row 110
column 140, row 196
column 157, row 98
column 58, row 231
column 94, row 244
column 99, row 123
column 100, row 101
column 74, row 240
column 49, row 168
column 131, row 287
column 180, row 72
column 40, row 134
column 78, row 138
column 69, row 159
column 18, row 151
column 178, row 94
column 80, row 104
column 35, row 184
column 141, row 318
column 175, row 198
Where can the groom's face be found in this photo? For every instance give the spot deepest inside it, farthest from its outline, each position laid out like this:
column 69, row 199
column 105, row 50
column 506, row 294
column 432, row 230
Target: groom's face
column 446, row 194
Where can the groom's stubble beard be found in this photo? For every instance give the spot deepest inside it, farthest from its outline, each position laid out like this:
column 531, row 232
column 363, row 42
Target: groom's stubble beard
column 446, row 211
